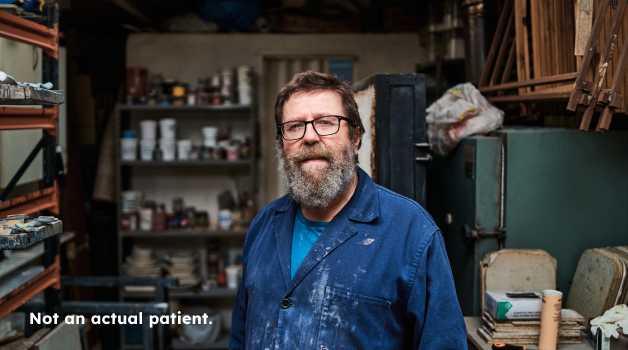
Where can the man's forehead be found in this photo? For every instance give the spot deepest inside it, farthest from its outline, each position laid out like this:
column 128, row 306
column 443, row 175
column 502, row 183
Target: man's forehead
column 312, row 103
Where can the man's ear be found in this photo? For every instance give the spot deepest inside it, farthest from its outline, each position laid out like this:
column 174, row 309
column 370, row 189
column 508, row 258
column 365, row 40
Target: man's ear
column 357, row 138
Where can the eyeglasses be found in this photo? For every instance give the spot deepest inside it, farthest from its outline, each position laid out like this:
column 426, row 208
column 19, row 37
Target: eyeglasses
column 323, row 126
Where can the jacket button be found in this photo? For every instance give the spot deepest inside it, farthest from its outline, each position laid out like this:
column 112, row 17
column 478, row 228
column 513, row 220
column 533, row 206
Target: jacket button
column 285, row 303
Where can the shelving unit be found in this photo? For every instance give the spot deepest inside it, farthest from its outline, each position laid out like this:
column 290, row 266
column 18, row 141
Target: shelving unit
column 128, row 116
column 20, row 280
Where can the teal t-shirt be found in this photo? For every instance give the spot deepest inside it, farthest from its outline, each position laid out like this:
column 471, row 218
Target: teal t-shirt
column 304, row 234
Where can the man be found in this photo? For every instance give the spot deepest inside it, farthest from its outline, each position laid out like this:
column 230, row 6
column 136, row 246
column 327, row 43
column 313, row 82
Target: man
column 340, row 262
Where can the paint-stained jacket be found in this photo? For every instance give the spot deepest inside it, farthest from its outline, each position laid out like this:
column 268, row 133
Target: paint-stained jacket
column 377, row 278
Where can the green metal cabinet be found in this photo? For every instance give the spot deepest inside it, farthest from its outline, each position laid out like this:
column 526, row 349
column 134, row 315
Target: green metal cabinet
column 554, row 189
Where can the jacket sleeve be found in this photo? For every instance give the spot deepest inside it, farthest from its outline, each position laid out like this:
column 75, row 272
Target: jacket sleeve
column 432, row 304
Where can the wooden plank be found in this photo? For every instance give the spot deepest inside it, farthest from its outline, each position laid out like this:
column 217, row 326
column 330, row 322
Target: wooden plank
column 574, row 99
column 501, row 56
column 521, row 38
column 536, row 32
column 488, row 65
column 531, row 96
column 607, row 55
column 531, row 82
column 605, row 121
column 509, row 63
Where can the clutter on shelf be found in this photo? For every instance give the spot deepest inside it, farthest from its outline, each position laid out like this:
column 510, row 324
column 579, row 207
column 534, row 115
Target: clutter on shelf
column 13, row 92
column 515, row 318
column 218, row 144
column 206, row 267
column 229, row 86
column 139, row 214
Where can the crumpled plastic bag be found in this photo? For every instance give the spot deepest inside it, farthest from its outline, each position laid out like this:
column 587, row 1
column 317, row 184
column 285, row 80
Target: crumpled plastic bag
column 611, row 321
column 462, row 111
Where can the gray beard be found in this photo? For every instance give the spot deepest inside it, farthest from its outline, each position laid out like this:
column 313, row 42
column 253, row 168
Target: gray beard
column 318, row 192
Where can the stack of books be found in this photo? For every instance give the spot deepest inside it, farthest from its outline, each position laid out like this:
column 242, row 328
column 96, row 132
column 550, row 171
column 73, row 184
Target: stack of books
column 515, row 318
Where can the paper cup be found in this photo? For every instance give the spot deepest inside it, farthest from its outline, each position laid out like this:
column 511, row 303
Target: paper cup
column 550, row 319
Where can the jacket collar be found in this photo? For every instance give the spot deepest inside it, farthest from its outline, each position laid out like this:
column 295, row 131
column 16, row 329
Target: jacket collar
column 363, row 206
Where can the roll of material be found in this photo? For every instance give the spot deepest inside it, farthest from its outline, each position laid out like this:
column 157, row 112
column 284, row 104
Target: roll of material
column 550, row 319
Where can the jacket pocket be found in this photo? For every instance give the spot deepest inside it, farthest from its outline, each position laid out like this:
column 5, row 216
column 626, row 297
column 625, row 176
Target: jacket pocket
column 350, row 320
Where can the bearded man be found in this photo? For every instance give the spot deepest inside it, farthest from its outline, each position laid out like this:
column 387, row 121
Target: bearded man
column 340, row 262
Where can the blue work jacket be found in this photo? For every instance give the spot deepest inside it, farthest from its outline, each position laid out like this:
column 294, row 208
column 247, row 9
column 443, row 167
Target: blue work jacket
column 377, row 278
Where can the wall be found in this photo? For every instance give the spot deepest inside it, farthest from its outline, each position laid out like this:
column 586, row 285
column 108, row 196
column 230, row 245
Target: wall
column 23, row 62
column 189, row 56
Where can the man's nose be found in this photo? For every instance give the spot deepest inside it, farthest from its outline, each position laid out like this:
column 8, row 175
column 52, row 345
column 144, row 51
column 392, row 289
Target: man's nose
column 310, row 134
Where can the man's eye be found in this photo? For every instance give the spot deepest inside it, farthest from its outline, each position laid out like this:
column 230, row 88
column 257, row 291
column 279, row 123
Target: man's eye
column 324, row 122
column 294, row 127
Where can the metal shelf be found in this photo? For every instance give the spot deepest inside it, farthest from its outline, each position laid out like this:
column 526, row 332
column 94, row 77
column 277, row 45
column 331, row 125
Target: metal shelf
column 151, row 108
column 187, row 233
column 215, row 293
column 185, row 293
column 46, row 199
column 221, row 343
column 189, row 163
column 14, row 118
column 26, row 31
column 27, row 239
column 25, row 286
column 23, row 257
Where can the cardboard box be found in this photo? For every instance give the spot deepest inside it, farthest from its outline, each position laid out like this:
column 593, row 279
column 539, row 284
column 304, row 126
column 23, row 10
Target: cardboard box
column 512, row 306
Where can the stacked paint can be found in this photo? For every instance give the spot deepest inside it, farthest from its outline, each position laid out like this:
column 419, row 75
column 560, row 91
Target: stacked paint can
column 168, row 141
column 149, row 138
column 245, row 89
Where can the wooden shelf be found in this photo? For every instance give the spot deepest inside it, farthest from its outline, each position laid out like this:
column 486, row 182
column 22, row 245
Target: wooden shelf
column 151, row 108
column 187, row 233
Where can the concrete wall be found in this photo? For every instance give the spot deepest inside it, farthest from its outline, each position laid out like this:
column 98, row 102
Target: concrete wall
column 190, row 56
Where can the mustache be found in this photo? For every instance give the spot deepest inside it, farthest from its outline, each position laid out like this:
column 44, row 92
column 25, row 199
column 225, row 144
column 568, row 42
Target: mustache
column 311, row 152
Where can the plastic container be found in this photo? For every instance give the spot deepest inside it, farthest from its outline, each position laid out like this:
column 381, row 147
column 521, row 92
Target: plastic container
column 209, row 136
column 128, row 145
column 168, row 128
column 147, row 149
column 168, row 149
column 183, row 149
column 149, row 129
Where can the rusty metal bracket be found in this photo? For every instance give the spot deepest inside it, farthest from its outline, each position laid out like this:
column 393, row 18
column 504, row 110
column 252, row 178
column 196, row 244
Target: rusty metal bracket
column 477, row 233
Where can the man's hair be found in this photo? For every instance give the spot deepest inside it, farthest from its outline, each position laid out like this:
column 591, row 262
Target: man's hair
column 310, row 81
